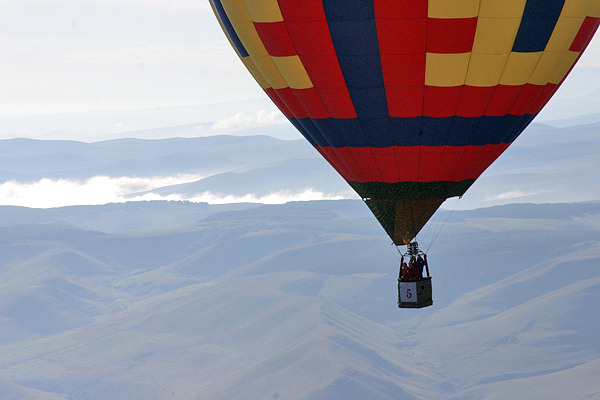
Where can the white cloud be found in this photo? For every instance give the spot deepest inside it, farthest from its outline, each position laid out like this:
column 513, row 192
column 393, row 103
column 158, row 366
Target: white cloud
column 279, row 197
column 242, row 120
column 510, row 195
column 48, row 193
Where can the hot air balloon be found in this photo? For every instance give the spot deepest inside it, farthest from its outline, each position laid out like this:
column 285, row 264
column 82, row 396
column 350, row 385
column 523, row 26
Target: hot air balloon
column 409, row 100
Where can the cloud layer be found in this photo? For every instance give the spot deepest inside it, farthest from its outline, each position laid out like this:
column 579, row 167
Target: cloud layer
column 243, row 120
column 48, row 193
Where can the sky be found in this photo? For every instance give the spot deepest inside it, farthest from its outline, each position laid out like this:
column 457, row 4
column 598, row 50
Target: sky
column 59, row 57
column 63, row 56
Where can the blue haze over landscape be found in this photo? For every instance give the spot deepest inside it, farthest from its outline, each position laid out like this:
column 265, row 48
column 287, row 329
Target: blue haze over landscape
column 152, row 247
column 186, row 300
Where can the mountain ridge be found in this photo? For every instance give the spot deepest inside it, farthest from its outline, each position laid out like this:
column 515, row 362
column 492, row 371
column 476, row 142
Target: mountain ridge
column 239, row 304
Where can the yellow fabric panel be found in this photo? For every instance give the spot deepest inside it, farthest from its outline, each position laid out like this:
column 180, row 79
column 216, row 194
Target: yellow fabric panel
column 269, row 70
column 564, row 32
column 485, row 69
column 502, row 8
column 576, row 8
column 293, row 72
column 453, row 8
column 519, row 67
column 224, row 30
column 545, row 67
column 564, row 67
column 250, row 39
column 594, row 10
column 248, row 62
column 255, row 72
column 236, row 11
column 446, row 69
column 264, row 10
column 495, row 35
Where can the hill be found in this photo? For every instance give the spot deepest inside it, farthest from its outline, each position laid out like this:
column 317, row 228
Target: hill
column 29, row 159
column 297, row 301
column 545, row 164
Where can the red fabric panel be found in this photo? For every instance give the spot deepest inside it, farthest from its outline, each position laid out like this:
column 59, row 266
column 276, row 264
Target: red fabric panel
column 441, row 101
column 298, row 36
column 450, row 162
column 403, row 69
column 291, row 10
column 542, row 98
column 385, row 158
column 324, row 71
column 587, row 30
column 345, row 155
column 287, row 97
column 404, row 101
column 319, row 39
column 400, row 9
column 333, row 158
column 402, row 36
column 337, row 102
column 276, row 39
column 474, row 101
column 364, row 158
column 526, row 99
column 313, row 42
column 487, row 156
column 311, row 102
column 408, row 159
column 503, row 99
column 453, row 35
column 312, row 10
column 412, row 163
column 279, row 102
column 462, row 170
column 429, row 163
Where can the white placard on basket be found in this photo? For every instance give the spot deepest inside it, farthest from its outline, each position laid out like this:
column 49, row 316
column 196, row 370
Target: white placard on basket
column 408, row 292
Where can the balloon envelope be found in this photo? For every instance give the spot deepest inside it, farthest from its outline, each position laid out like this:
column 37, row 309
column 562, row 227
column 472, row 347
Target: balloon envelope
column 409, row 100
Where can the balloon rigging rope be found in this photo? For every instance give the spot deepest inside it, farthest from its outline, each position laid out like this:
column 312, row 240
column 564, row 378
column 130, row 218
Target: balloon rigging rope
column 399, row 252
column 429, row 226
column 440, row 227
column 435, row 220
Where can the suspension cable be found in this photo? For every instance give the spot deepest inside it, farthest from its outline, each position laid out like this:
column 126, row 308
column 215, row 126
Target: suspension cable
column 449, row 212
column 398, row 248
column 429, row 227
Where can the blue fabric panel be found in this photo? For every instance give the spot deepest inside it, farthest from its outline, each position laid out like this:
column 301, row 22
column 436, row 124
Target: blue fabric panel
column 328, row 128
column 378, row 131
column 374, row 100
column 358, row 72
column 307, row 128
column 537, row 24
column 435, row 131
column 355, row 38
column 426, row 131
column 490, row 131
column 462, row 130
column 348, row 10
column 341, row 132
column 510, row 127
column 543, row 8
column 406, row 131
column 519, row 126
column 354, row 35
column 229, row 28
